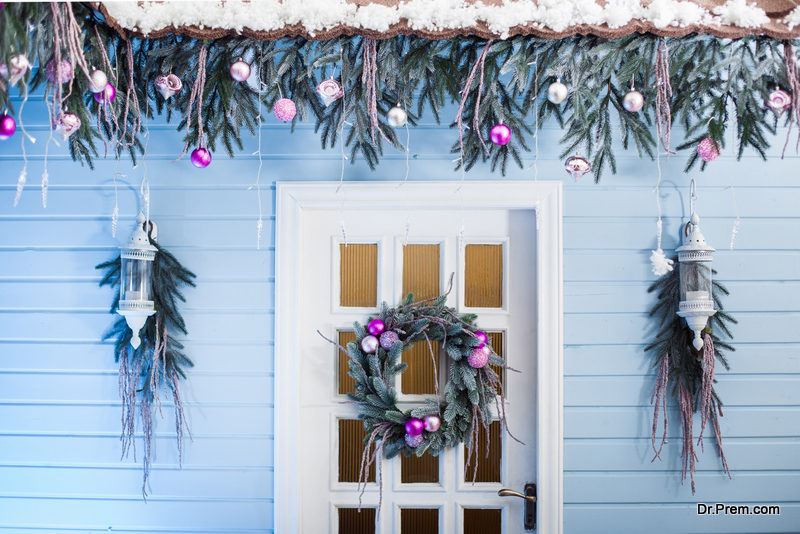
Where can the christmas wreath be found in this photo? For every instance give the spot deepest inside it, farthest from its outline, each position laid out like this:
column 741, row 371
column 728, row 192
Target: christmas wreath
column 444, row 421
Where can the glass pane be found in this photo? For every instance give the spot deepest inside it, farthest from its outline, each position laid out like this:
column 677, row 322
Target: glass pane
column 419, row 521
column 496, row 340
column 488, row 466
column 355, row 521
column 482, row 521
column 419, row 378
column 351, row 447
column 421, row 271
column 346, row 382
column 483, row 276
column 358, row 275
column 414, row 470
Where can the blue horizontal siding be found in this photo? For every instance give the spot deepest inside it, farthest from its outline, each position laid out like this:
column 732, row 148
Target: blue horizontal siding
column 59, row 407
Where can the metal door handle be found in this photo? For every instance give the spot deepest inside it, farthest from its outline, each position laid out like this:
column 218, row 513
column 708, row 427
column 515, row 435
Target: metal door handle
column 505, row 492
column 529, row 510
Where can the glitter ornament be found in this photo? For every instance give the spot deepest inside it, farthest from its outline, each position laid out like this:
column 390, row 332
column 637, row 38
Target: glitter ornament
column 414, row 441
column 708, row 149
column 414, row 426
column 106, row 95
column 19, row 66
column 240, row 71
column 98, row 81
column 330, row 90
column 779, row 101
column 432, row 423
column 284, row 109
column 500, row 134
column 201, row 158
column 67, row 124
column 481, row 337
column 633, row 101
column 168, row 85
column 479, row 357
column 370, row 344
column 64, row 71
column 388, row 339
column 557, row 92
column 7, row 126
column 577, row 166
column 376, row 327
column 397, row 117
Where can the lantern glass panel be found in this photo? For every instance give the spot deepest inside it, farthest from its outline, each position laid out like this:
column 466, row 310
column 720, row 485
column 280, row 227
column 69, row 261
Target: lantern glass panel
column 695, row 280
column 135, row 282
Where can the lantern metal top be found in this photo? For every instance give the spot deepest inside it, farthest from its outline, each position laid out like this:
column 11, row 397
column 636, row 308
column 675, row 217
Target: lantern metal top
column 139, row 246
column 694, row 246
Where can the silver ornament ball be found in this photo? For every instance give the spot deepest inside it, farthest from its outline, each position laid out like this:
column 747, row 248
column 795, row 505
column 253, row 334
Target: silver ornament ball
column 98, row 81
column 397, row 117
column 240, row 71
column 633, row 101
column 557, row 92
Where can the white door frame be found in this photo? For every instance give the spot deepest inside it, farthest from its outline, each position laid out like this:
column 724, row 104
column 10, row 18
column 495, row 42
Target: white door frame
column 545, row 197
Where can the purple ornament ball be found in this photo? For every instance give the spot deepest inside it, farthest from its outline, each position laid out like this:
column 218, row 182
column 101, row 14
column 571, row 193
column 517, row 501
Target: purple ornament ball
column 284, row 109
column 369, row 344
column 388, row 339
column 414, row 426
column 63, row 73
column 500, row 134
column 432, row 423
column 481, row 337
column 7, row 126
column 376, row 327
column 479, row 357
column 201, row 158
column 106, row 95
column 414, row 441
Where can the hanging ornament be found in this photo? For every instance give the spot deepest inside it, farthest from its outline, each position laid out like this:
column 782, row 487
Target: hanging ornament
column 557, row 92
column 284, row 109
column 388, row 339
column 779, row 101
column 63, row 73
column 19, row 66
column 708, row 149
column 240, row 71
column 376, row 327
column 201, row 158
column 500, row 134
column 479, row 357
column 432, row 423
column 106, row 95
column 397, row 117
column 633, row 101
column 98, row 81
column 168, row 85
column 576, row 166
column 414, row 426
column 481, row 336
column 330, row 90
column 370, row 344
column 67, row 124
column 414, row 441
column 7, row 126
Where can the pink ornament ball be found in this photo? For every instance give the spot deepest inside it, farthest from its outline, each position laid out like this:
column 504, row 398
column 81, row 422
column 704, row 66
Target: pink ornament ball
column 481, row 337
column 708, row 149
column 106, row 95
column 64, row 73
column 376, row 327
column 7, row 126
column 240, row 71
column 633, row 101
column 779, row 101
column 414, row 441
column 414, row 426
column 370, row 344
column 500, row 134
column 388, row 339
column 201, row 158
column 284, row 109
column 479, row 357
column 432, row 423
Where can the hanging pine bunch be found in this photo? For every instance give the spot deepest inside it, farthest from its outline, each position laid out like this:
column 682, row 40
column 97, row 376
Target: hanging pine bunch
column 691, row 371
column 154, row 369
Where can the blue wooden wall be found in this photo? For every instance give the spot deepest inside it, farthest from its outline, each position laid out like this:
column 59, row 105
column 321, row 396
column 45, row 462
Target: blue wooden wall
column 60, row 411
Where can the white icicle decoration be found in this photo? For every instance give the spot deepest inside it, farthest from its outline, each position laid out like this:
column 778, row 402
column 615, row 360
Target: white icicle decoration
column 659, row 262
column 23, row 177
column 45, row 186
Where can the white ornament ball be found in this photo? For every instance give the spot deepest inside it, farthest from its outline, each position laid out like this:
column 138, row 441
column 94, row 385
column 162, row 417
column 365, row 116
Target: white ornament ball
column 557, row 92
column 240, row 71
column 98, row 81
column 370, row 344
column 633, row 101
column 397, row 117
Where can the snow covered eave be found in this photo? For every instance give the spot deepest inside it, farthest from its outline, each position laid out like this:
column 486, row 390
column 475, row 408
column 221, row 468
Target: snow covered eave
column 443, row 19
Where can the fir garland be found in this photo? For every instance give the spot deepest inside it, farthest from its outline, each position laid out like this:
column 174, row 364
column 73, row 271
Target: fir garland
column 691, row 371
column 159, row 363
column 712, row 80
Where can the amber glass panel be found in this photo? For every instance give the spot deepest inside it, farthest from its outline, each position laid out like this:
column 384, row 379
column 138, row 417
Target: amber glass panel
column 421, row 271
column 419, row 378
column 483, row 276
column 346, row 381
column 358, row 275
column 488, row 467
column 496, row 341
column 482, row 521
column 419, row 521
column 414, row 470
column 355, row 521
column 351, row 446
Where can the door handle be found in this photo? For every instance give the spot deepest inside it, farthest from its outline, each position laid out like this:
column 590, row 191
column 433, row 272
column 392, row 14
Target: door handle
column 529, row 510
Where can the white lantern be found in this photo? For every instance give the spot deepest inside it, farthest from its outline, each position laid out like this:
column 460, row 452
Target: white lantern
column 135, row 299
column 694, row 257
